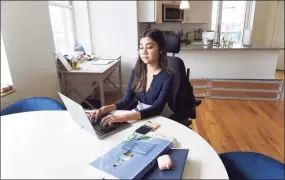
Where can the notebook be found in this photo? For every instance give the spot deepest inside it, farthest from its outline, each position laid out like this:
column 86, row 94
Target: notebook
column 133, row 157
column 111, row 58
column 102, row 62
column 178, row 157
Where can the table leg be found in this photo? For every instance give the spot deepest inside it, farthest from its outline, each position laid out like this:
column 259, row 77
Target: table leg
column 63, row 81
column 102, row 96
column 120, row 78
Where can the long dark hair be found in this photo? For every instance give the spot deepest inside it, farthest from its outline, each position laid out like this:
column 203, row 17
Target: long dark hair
column 140, row 70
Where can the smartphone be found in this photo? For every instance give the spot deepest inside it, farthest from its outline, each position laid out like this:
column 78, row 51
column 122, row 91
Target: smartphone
column 147, row 127
column 143, row 129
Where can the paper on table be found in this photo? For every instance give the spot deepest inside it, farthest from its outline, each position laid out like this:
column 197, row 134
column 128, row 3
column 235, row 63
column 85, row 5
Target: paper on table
column 102, row 62
column 88, row 66
column 111, row 58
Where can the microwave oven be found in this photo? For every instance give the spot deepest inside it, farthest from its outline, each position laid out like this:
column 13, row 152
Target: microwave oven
column 172, row 13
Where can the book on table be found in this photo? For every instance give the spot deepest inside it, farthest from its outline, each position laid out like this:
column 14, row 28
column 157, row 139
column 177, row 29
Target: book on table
column 133, row 157
column 178, row 158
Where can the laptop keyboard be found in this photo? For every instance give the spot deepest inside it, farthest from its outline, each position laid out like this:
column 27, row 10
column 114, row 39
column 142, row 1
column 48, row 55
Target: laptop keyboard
column 102, row 130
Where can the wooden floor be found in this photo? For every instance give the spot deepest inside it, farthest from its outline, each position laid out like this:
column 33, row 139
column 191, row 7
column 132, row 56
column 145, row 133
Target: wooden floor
column 237, row 125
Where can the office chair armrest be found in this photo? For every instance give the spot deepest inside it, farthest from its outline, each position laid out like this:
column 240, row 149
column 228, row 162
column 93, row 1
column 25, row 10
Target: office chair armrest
column 188, row 73
column 197, row 102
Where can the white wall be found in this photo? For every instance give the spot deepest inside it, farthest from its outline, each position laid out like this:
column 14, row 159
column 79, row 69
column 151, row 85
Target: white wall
column 274, row 32
column 114, row 32
column 277, row 35
column 27, row 34
column 260, row 22
column 263, row 24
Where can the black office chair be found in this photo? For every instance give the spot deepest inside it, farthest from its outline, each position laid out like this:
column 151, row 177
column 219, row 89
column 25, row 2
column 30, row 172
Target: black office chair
column 182, row 101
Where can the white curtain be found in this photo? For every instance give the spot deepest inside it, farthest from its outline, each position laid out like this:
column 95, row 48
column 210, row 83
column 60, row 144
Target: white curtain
column 5, row 71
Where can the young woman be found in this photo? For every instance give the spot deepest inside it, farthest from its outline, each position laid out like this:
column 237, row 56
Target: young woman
column 149, row 84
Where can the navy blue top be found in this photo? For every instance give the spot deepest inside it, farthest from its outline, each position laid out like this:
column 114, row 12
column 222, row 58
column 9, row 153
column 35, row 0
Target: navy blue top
column 156, row 96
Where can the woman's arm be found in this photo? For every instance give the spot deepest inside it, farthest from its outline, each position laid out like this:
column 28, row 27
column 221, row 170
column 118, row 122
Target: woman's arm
column 154, row 110
column 162, row 99
column 129, row 96
column 121, row 104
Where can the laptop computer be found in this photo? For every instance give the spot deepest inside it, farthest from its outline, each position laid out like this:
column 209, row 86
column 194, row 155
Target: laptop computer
column 93, row 126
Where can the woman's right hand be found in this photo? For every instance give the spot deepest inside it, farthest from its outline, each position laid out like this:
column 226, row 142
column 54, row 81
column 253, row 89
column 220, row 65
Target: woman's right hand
column 102, row 111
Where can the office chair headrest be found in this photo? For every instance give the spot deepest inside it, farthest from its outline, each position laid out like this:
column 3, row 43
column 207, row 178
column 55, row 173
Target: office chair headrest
column 172, row 43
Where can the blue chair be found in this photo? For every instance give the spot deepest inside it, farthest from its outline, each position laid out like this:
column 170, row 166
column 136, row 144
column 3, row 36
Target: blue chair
column 33, row 104
column 250, row 165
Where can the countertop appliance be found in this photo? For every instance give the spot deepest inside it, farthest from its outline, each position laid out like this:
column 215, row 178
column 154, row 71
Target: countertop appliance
column 198, row 34
column 172, row 13
column 208, row 38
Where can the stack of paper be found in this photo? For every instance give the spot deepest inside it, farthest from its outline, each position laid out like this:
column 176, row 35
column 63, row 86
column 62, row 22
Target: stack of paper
column 110, row 58
column 103, row 62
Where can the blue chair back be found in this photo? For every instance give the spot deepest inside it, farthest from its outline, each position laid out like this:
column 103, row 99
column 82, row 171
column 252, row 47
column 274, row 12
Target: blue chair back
column 33, row 104
column 250, row 165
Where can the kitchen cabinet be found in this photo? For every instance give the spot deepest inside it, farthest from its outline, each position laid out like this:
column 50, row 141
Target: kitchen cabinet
column 149, row 11
column 199, row 12
column 171, row 2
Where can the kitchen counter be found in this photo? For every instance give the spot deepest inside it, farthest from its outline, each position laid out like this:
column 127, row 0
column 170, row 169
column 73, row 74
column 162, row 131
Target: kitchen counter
column 237, row 62
column 235, row 47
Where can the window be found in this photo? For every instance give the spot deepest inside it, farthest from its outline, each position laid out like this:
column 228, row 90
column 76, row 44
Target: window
column 6, row 79
column 215, row 14
column 233, row 17
column 62, row 21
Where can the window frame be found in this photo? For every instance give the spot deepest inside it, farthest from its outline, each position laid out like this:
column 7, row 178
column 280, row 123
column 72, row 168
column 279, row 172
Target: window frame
column 248, row 19
column 9, row 88
column 249, row 14
column 71, row 7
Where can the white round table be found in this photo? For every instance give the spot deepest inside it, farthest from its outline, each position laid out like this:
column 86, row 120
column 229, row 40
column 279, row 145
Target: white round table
column 49, row 144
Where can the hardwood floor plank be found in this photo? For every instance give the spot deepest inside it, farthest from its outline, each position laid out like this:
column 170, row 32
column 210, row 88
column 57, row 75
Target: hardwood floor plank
column 253, row 128
column 250, row 124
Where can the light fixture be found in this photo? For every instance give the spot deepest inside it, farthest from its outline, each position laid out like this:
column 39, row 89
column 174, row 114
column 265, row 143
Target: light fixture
column 184, row 4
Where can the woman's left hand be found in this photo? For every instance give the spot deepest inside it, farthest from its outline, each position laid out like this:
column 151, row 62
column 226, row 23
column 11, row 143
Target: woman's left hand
column 120, row 118
column 110, row 119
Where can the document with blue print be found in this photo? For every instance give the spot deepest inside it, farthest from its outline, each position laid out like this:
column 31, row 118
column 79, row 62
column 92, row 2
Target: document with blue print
column 133, row 157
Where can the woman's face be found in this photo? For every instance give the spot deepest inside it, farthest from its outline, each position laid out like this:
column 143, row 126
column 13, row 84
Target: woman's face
column 149, row 51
